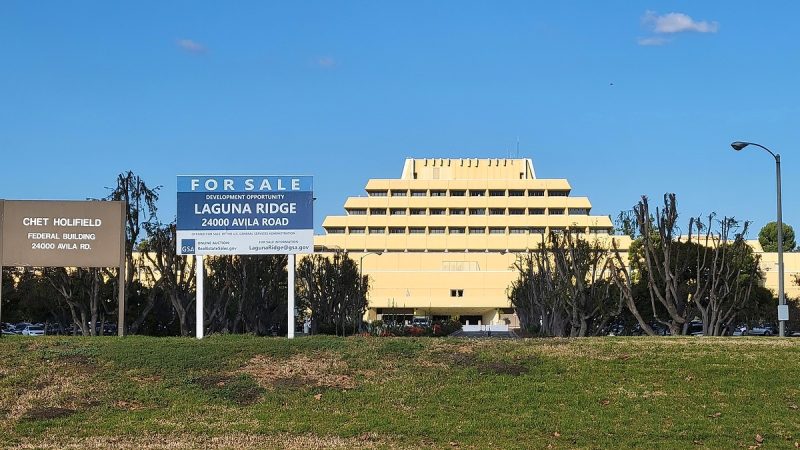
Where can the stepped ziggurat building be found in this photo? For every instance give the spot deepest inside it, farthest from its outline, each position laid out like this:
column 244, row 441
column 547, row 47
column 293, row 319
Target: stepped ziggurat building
column 441, row 240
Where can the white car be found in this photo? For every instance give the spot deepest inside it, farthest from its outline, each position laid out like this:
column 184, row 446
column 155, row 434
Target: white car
column 33, row 330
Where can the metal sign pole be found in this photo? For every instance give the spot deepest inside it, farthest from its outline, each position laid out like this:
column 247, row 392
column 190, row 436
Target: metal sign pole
column 1, row 267
column 198, row 305
column 122, row 268
column 290, row 297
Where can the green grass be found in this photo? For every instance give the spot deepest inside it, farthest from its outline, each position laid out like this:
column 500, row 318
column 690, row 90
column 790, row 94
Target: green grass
column 244, row 391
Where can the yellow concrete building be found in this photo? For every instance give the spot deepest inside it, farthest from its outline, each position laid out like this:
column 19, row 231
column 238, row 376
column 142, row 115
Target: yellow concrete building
column 769, row 270
column 441, row 240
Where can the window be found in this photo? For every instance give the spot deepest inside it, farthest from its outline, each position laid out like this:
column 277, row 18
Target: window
column 536, row 211
column 517, row 230
column 535, row 192
column 477, row 192
column 477, row 211
column 416, row 230
column 599, row 230
column 376, row 193
column 578, row 212
column 397, row 230
column 556, row 211
column 377, row 211
column 357, row 212
column 335, row 230
column 557, row 193
column 437, row 211
column 356, row 230
column 456, row 292
column 516, row 211
column 438, row 193
column 537, row 230
column 459, row 193
column 497, row 193
column 398, row 211
column 436, row 230
column 399, row 193
column 557, row 230
column 417, row 211
column 457, row 211
column 497, row 230
column 516, row 193
column 497, row 211
column 419, row 193
column 477, row 230
column 456, row 230
column 377, row 230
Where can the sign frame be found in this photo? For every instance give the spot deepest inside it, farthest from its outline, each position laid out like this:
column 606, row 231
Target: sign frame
column 268, row 185
column 43, row 204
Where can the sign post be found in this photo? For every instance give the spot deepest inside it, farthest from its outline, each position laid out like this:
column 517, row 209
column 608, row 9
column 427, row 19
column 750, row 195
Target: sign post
column 1, row 268
column 245, row 215
column 290, row 300
column 198, row 310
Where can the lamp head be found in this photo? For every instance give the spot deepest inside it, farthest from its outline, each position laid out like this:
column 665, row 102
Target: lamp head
column 738, row 145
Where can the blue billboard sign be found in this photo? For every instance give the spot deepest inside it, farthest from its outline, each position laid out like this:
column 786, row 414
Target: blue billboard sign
column 245, row 215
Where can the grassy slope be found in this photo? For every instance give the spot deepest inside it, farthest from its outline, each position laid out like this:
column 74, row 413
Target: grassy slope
column 242, row 391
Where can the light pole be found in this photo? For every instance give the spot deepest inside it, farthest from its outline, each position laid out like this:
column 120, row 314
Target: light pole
column 361, row 270
column 783, row 313
column 361, row 266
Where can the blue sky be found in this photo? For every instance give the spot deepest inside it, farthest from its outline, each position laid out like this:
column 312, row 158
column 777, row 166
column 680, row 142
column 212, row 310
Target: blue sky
column 344, row 91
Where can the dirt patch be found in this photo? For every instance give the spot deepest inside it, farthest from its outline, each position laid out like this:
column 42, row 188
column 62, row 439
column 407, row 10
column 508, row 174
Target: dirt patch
column 47, row 413
column 132, row 405
column 227, row 441
column 240, row 389
column 300, row 371
column 211, row 381
column 504, row 368
column 462, row 359
column 55, row 386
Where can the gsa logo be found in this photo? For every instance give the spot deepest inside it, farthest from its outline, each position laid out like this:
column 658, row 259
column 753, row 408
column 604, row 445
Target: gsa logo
column 187, row 246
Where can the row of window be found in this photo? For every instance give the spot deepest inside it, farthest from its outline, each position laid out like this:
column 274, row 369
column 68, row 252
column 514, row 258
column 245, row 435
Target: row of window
column 451, row 230
column 471, row 211
column 469, row 193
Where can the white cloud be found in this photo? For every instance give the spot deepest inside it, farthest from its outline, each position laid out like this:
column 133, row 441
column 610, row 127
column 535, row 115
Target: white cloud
column 652, row 41
column 191, row 46
column 676, row 22
column 326, row 62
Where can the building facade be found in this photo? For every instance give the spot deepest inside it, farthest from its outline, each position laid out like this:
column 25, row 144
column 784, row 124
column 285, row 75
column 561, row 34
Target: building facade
column 441, row 240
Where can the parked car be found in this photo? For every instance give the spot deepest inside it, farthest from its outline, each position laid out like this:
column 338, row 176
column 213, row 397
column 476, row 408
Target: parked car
column 21, row 326
column 762, row 330
column 740, row 330
column 695, row 329
column 7, row 328
column 421, row 322
column 33, row 330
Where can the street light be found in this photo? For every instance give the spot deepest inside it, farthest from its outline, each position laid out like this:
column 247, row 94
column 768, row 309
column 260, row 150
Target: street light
column 361, row 269
column 783, row 312
column 361, row 266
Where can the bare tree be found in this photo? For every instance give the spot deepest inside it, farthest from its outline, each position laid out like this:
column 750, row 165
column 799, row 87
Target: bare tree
column 727, row 272
column 141, row 208
column 246, row 294
column 584, row 274
column 168, row 272
column 564, row 287
column 82, row 289
column 332, row 290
